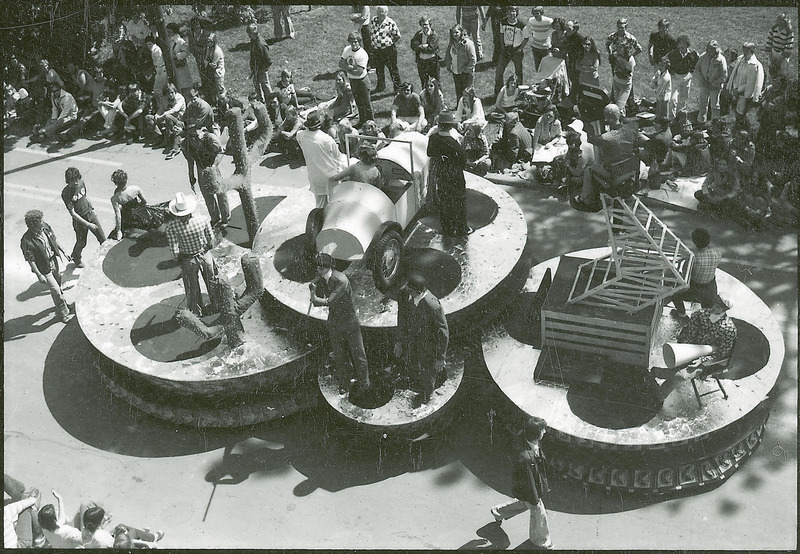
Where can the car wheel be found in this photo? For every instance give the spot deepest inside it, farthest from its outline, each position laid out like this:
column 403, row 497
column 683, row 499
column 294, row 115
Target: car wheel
column 313, row 227
column 386, row 259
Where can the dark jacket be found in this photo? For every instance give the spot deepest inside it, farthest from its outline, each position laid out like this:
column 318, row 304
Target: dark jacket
column 339, row 299
column 423, row 330
column 528, row 475
column 259, row 56
column 432, row 47
column 33, row 249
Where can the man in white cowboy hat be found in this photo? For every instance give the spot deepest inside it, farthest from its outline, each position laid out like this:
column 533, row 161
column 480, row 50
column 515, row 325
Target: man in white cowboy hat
column 191, row 239
column 710, row 326
column 322, row 155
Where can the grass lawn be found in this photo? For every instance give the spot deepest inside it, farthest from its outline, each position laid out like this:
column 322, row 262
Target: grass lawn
column 322, row 31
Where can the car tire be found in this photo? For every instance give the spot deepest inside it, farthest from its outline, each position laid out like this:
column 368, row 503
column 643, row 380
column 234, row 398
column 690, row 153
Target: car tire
column 313, row 227
column 386, row 260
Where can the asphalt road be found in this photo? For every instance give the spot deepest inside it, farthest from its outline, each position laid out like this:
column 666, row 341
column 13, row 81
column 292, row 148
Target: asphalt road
column 292, row 483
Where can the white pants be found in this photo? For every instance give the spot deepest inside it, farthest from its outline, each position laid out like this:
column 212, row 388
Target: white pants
column 681, row 88
column 539, row 532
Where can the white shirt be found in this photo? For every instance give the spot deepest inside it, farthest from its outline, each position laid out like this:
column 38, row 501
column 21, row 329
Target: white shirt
column 323, row 159
column 359, row 58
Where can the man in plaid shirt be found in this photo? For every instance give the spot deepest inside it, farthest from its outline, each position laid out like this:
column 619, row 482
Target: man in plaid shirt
column 384, row 34
column 191, row 239
column 702, row 281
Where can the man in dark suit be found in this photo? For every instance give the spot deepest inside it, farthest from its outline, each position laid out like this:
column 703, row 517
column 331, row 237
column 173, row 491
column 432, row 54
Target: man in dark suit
column 332, row 288
column 423, row 336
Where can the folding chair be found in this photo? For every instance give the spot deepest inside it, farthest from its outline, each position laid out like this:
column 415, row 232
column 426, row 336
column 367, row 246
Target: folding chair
column 713, row 370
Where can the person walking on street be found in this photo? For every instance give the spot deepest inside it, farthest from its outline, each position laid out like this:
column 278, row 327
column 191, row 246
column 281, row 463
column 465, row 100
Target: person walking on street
column 80, row 209
column 332, row 289
column 355, row 61
column 260, row 62
column 514, row 39
column 528, row 483
column 191, row 240
column 425, row 44
column 41, row 250
column 384, row 36
column 472, row 18
column 423, row 335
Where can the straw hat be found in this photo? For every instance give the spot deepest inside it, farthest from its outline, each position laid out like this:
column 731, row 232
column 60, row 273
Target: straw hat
column 182, row 205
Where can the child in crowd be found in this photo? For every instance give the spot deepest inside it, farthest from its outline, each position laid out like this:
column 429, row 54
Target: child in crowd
column 287, row 137
column 291, row 95
column 662, row 83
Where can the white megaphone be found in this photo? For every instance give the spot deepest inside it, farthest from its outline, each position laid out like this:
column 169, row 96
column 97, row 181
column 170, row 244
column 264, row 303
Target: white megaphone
column 677, row 354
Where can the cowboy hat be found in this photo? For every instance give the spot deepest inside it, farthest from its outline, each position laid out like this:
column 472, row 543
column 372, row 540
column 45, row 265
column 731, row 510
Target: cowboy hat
column 313, row 121
column 182, row 205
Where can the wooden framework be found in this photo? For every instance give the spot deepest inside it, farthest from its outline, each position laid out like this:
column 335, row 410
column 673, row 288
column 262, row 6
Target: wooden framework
column 644, row 266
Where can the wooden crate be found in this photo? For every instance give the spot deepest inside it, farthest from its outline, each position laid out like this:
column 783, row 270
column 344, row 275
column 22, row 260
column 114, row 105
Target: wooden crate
column 617, row 335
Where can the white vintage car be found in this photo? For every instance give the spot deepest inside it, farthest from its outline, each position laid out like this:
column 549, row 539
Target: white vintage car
column 362, row 221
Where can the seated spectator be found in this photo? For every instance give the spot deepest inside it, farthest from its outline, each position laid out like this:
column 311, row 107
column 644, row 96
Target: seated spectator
column 755, row 201
column 515, row 146
column 132, row 216
column 742, row 154
column 662, row 84
column 291, row 95
column 719, row 139
column 38, row 86
column 276, row 109
column 96, row 537
column 168, row 127
column 720, row 190
column 771, row 117
column 287, row 135
column 407, row 112
column 57, row 531
column 20, row 515
column 123, row 538
column 617, row 144
column 365, row 170
column 657, row 148
column 689, row 155
column 432, row 101
column 568, row 169
column 469, row 109
column 681, row 126
column 108, row 106
column 548, row 128
column 344, row 104
column 784, row 207
column 64, row 114
column 508, row 98
column 476, row 149
column 80, row 84
column 132, row 111
column 15, row 73
column 370, row 129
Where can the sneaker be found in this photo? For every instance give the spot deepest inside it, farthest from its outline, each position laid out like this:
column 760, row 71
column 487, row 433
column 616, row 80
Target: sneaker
column 66, row 318
column 497, row 517
column 172, row 154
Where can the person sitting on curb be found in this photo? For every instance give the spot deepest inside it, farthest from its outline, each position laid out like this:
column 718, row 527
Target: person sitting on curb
column 407, row 112
column 515, row 146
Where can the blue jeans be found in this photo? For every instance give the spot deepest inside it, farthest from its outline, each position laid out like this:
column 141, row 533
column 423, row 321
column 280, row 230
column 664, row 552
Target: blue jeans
column 82, row 233
column 507, row 55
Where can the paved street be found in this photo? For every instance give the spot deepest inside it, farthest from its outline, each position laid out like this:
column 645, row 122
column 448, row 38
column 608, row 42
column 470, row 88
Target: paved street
column 292, row 485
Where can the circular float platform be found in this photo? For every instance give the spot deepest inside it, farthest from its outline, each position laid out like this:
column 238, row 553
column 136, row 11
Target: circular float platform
column 126, row 299
column 397, row 416
column 599, row 432
column 462, row 273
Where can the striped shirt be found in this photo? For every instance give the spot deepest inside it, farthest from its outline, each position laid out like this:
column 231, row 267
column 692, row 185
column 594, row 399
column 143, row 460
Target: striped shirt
column 779, row 39
column 384, row 34
column 540, row 32
column 191, row 237
column 705, row 265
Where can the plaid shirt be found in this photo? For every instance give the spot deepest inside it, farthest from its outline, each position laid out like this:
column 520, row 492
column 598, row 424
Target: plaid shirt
column 383, row 35
column 191, row 237
column 614, row 40
column 701, row 330
column 705, row 265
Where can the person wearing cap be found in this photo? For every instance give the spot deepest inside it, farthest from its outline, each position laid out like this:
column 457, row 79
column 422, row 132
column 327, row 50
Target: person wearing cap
column 615, row 145
column 260, row 62
column 661, row 42
column 355, row 61
column 191, row 240
column 682, row 61
column 702, row 281
column 422, row 336
column 707, row 326
column 711, row 72
column 539, row 29
column 322, row 155
column 528, row 482
column 746, row 80
column 514, row 146
column 41, row 250
column 331, row 288
column 446, row 176
column 514, row 39
column 407, row 112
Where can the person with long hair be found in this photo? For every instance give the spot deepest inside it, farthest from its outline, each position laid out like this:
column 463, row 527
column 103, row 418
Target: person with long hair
column 425, row 45
column 588, row 65
column 343, row 105
column 508, row 97
column 96, row 537
column 460, row 59
column 291, row 95
column 476, row 149
column 470, row 109
column 432, row 100
column 365, row 170
column 548, row 127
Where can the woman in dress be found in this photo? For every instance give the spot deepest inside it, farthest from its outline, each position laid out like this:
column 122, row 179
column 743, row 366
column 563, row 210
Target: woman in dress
column 365, row 170
column 446, row 176
column 589, row 64
column 132, row 215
